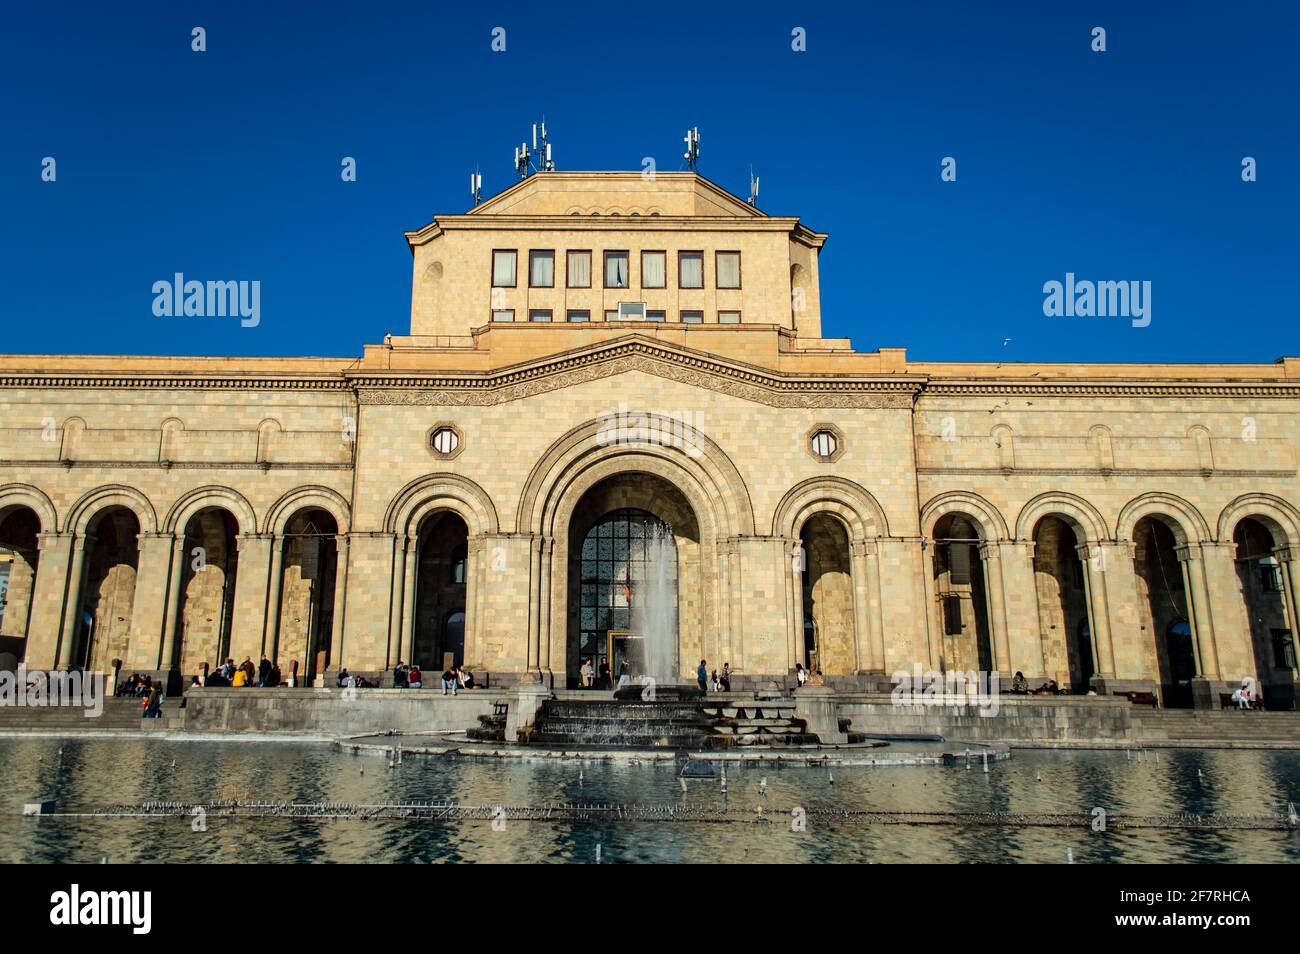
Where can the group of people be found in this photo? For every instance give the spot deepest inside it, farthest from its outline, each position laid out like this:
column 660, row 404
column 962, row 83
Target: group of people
column 453, row 680
column 145, row 689
column 718, row 681
column 264, row 675
column 1020, row 687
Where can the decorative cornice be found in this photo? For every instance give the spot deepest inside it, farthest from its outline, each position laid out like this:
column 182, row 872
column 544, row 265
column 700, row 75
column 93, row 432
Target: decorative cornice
column 196, row 381
column 1112, row 389
column 686, row 367
column 1108, row 472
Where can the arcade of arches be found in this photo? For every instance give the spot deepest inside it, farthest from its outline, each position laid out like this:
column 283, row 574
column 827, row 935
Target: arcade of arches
column 1162, row 608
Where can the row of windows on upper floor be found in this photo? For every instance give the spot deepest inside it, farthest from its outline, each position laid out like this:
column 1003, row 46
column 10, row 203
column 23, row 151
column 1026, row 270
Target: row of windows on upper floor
column 654, row 269
column 639, row 313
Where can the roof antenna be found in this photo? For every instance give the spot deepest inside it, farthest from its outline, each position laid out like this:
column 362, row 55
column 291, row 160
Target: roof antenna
column 476, row 187
column 541, row 152
column 753, row 188
column 692, row 154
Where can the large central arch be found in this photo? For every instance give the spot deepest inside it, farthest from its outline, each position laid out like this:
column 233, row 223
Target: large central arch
column 689, row 467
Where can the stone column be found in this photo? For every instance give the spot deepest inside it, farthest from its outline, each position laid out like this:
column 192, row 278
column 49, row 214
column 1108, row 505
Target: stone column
column 869, row 644
column 340, row 599
column 274, row 598
column 72, row 603
column 1234, row 647
column 473, row 579
column 171, row 617
column 797, row 557
column 48, row 595
column 1199, row 608
column 410, row 573
column 248, row 627
column 531, row 663
column 995, row 598
column 735, row 604
column 1289, row 559
column 149, row 606
column 934, row 624
column 1020, row 592
column 545, row 554
column 1101, row 563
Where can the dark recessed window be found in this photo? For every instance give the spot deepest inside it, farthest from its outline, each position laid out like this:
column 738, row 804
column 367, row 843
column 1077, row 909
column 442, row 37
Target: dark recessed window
column 692, row 317
column 579, row 269
column 579, row 314
column 539, row 314
column 503, row 314
column 616, row 269
column 728, row 317
column 654, row 316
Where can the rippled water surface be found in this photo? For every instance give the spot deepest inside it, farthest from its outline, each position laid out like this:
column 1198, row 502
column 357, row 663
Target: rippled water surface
column 95, row 773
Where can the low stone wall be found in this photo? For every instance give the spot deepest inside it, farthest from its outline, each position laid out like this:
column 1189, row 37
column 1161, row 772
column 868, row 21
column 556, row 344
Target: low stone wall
column 1018, row 719
column 328, row 712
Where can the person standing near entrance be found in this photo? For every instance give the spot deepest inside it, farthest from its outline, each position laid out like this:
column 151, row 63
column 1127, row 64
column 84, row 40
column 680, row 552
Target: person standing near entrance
column 702, row 676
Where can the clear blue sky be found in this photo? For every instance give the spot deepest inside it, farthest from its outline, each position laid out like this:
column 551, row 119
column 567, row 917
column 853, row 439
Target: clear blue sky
column 225, row 165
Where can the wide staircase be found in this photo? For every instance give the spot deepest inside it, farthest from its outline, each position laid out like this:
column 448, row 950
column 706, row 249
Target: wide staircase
column 122, row 714
column 667, row 723
column 1217, row 726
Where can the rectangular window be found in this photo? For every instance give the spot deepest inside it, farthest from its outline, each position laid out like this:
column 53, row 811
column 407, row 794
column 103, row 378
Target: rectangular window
column 579, row 314
column 579, row 269
column 952, row 615
column 959, row 564
column 541, row 268
column 728, row 317
column 616, row 269
column 539, row 314
column 503, row 268
column 1283, row 649
column 690, row 269
column 654, row 269
column 654, row 316
column 503, row 314
column 1270, row 575
column 692, row 317
column 611, row 314
column 728, row 265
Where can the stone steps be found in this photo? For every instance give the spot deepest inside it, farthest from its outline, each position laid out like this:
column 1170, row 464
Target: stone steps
column 117, row 714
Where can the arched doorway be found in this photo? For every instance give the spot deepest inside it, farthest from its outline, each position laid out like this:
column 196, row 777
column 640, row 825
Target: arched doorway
column 19, row 557
column 208, row 577
column 306, row 618
column 1163, row 605
column 828, row 626
column 1062, row 605
column 634, row 571
column 441, row 590
column 108, row 594
column 962, row 600
column 1271, row 631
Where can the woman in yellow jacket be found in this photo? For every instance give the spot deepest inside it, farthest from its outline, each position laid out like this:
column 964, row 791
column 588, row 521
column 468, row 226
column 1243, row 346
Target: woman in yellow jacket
column 241, row 678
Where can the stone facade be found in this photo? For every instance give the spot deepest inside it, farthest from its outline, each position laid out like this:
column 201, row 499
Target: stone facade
column 1119, row 526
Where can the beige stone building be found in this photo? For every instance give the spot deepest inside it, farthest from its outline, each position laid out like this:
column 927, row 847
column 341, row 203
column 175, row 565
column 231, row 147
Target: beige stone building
column 597, row 361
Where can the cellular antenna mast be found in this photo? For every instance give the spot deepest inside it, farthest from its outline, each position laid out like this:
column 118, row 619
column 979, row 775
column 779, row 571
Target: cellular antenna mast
column 753, row 188
column 692, row 154
column 539, row 158
column 476, row 187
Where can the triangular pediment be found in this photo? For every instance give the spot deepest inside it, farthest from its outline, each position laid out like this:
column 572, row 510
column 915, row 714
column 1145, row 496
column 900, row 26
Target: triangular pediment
column 675, row 194
column 629, row 354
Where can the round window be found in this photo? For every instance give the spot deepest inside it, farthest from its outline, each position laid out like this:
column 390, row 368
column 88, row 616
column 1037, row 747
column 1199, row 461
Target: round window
column 445, row 440
column 824, row 444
